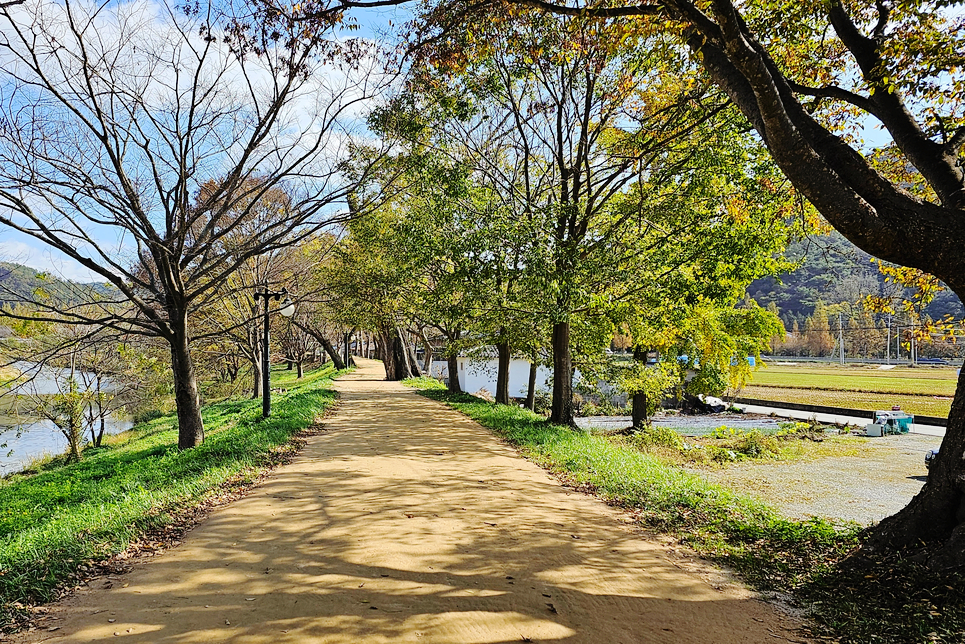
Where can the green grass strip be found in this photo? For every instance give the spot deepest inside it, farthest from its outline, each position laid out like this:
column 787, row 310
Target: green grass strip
column 56, row 520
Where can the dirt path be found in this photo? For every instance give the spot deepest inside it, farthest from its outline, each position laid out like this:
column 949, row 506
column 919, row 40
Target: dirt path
column 406, row 522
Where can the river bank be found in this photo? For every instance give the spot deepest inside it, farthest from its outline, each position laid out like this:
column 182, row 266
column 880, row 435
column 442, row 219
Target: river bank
column 25, row 437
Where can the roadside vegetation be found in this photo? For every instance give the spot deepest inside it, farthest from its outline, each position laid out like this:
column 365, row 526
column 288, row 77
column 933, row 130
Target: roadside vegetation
column 894, row 601
column 727, row 445
column 57, row 519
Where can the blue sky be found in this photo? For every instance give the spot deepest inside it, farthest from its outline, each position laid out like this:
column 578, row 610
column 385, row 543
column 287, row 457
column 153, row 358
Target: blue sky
column 23, row 249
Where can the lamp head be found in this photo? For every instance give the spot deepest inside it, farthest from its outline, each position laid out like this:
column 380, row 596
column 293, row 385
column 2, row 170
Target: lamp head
column 287, row 308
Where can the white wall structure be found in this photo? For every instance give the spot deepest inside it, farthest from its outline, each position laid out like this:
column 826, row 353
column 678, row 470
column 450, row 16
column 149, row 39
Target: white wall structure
column 476, row 374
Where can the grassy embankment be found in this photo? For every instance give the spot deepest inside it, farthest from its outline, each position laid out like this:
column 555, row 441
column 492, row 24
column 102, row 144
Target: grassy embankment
column 7, row 375
column 54, row 521
column 922, row 390
column 894, row 602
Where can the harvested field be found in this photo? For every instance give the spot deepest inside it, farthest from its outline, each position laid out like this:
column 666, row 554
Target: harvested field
column 923, row 390
column 925, row 405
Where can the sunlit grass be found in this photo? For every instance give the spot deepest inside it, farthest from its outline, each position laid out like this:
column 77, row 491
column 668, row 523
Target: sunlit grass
column 53, row 521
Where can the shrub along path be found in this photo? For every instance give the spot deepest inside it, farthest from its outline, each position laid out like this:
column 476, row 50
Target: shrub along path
column 407, row 522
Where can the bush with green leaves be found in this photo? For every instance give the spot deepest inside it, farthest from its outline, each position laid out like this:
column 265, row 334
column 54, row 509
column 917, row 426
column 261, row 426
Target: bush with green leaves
column 656, row 436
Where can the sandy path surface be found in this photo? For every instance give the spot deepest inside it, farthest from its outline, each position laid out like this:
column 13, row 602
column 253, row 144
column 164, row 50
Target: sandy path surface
column 406, row 522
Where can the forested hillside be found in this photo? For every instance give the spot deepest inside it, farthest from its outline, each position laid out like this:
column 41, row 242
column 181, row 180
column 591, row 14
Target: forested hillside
column 18, row 283
column 833, row 271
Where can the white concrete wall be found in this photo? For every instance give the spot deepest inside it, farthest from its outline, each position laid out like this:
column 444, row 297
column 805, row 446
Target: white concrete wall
column 439, row 369
column 476, row 374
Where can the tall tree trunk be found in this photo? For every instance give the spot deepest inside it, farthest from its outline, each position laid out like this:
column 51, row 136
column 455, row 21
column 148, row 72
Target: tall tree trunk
column 562, row 412
column 386, row 345
column 190, row 425
column 255, row 363
column 531, row 386
column 400, row 355
column 76, row 429
column 102, row 430
column 639, row 404
column 504, row 355
column 332, row 353
column 256, row 373
column 453, row 361
column 395, row 356
column 937, row 512
column 349, row 359
column 101, row 412
column 410, row 355
column 427, row 361
column 301, row 369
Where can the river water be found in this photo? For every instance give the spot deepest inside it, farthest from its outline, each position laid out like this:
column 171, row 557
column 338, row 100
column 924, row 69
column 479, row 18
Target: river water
column 37, row 437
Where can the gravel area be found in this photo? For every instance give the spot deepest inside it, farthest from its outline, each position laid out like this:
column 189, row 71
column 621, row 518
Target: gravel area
column 690, row 425
column 866, row 488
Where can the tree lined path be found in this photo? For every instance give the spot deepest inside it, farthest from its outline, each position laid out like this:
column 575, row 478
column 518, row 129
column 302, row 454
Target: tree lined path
column 407, row 522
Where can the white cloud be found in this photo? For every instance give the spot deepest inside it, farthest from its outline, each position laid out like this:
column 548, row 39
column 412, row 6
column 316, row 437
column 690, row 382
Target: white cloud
column 42, row 258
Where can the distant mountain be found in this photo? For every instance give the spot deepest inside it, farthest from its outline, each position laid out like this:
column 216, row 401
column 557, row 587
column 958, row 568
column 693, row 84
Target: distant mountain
column 832, row 270
column 19, row 283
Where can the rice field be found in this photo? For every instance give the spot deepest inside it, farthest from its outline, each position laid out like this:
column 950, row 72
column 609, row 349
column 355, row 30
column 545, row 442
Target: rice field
column 922, row 390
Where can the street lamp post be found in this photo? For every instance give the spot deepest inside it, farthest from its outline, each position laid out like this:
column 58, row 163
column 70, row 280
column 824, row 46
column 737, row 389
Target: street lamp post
column 287, row 309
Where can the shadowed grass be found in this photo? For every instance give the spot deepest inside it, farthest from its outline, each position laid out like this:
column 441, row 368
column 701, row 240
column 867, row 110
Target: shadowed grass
column 54, row 521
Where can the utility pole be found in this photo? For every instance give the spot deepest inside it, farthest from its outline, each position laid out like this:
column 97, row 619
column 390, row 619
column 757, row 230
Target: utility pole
column 841, row 337
column 888, row 349
column 914, row 345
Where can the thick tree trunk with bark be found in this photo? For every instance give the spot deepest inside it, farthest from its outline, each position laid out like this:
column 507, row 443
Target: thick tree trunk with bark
column 190, row 425
column 301, row 369
column 414, row 369
column 936, row 515
column 453, row 361
column 875, row 214
column 394, row 354
column 504, row 356
column 562, row 412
